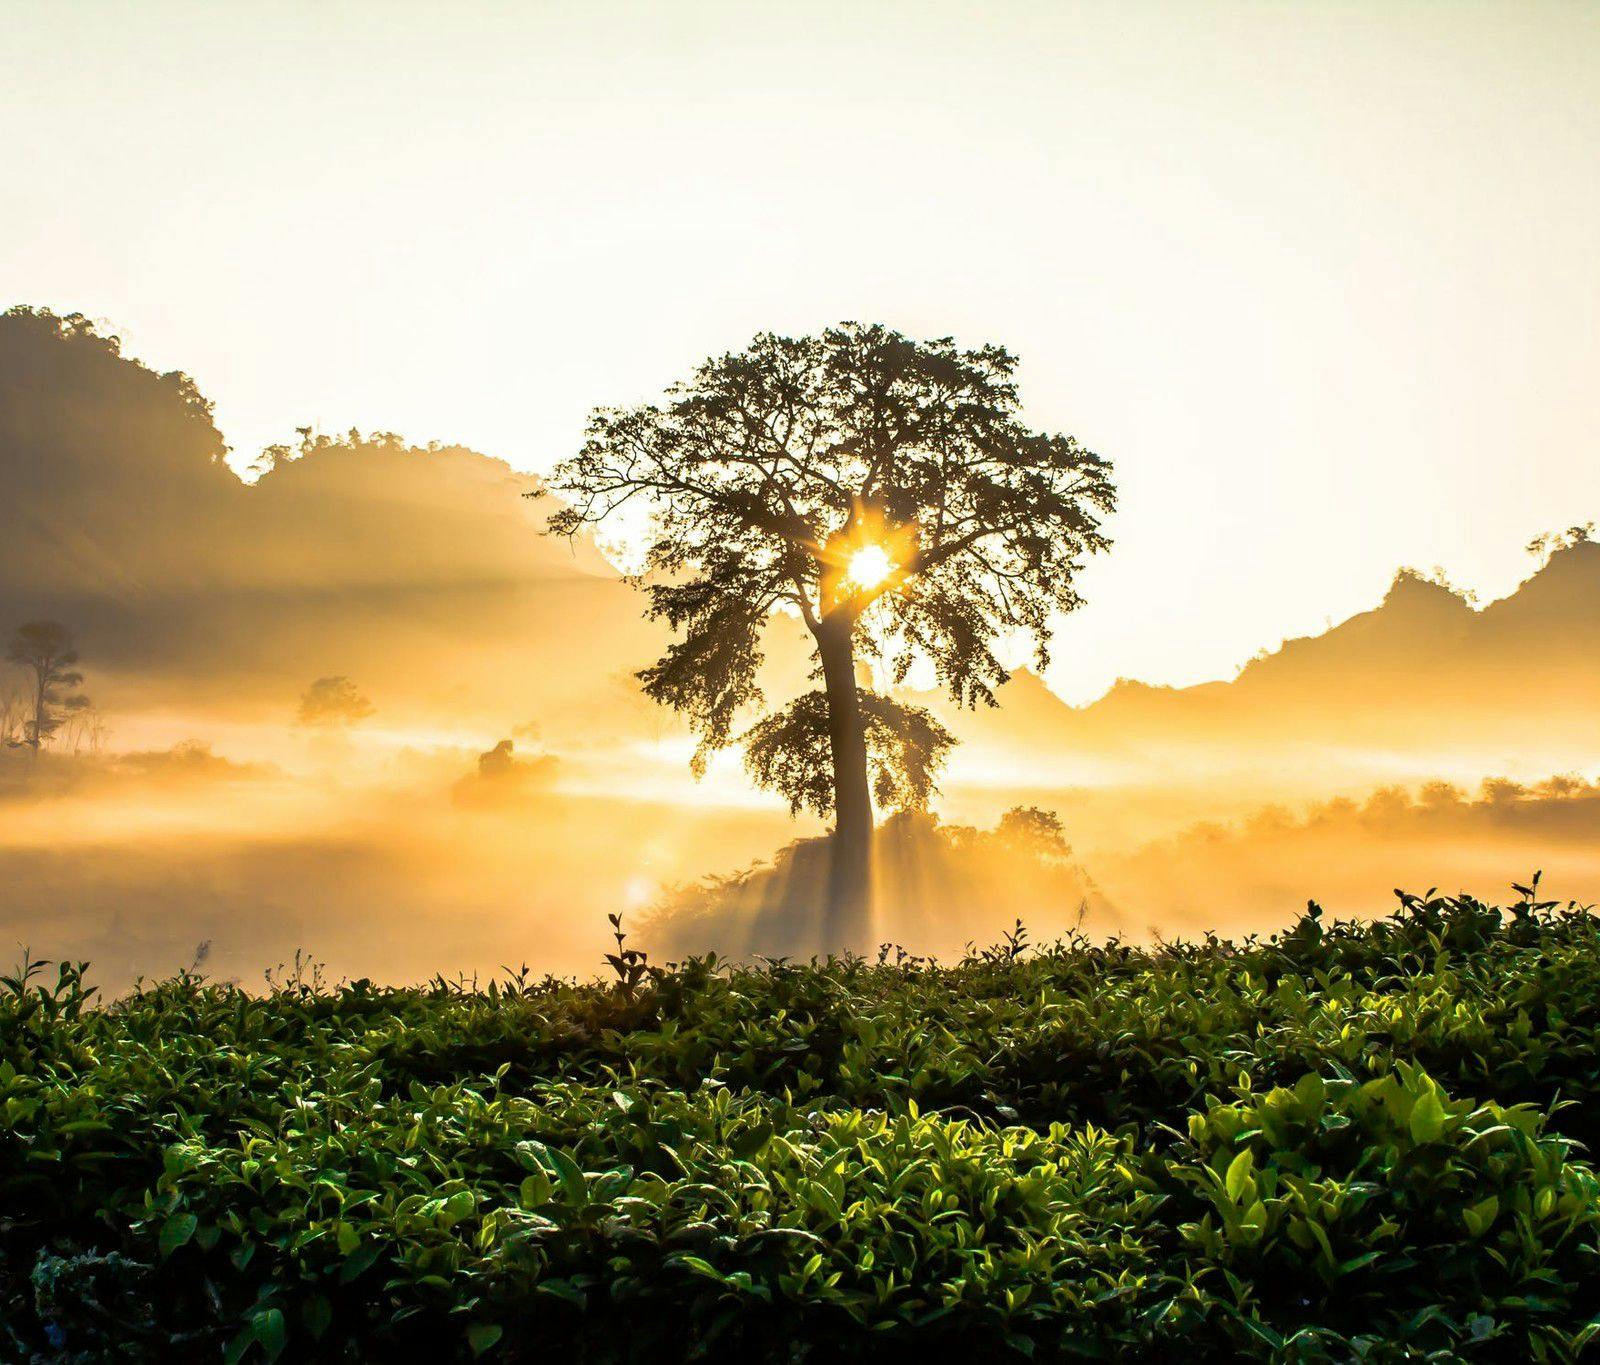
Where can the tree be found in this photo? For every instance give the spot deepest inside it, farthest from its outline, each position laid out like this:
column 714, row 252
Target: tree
column 1034, row 828
column 1544, row 547
column 85, row 728
column 45, row 648
column 884, row 491
column 12, row 711
column 333, row 701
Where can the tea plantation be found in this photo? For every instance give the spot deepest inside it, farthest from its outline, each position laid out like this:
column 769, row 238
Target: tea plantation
column 1350, row 1142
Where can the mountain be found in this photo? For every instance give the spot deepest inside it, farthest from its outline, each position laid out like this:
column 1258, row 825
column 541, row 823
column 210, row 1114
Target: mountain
column 1421, row 678
column 422, row 572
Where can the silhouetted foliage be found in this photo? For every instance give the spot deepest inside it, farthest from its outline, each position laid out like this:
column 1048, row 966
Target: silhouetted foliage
column 84, row 335
column 45, row 650
column 1035, row 828
column 502, row 778
column 1542, row 547
column 788, row 752
column 770, row 472
column 498, row 762
column 333, row 701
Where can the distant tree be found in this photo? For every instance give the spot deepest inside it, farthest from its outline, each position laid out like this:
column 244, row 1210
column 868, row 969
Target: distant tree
column 1438, row 577
column 12, row 710
column 274, row 457
column 45, row 649
column 333, row 701
column 498, row 762
column 884, row 491
column 84, row 729
column 1035, row 828
column 1542, row 547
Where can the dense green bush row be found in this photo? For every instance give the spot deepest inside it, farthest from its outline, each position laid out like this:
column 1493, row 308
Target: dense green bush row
column 1349, row 1142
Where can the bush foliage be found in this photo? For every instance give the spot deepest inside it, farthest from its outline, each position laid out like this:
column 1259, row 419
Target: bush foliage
column 1349, row 1142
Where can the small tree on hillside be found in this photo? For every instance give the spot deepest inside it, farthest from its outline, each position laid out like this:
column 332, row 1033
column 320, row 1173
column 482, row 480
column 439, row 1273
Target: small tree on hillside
column 333, row 701
column 1543, row 547
column 45, row 649
column 884, row 491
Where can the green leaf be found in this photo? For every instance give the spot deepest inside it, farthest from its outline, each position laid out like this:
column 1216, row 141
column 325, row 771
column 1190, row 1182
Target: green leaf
column 570, row 1174
column 1479, row 1217
column 701, row 1266
column 461, row 1204
column 1238, row 1179
column 1311, row 1090
column 750, row 1142
column 563, row 1289
column 1260, row 1329
column 271, row 1331
column 177, row 1231
column 242, row 1341
column 358, row 1262
column 481, row 1336
column 316, row 1313
column 1427, row 1117
column 1255, row 1217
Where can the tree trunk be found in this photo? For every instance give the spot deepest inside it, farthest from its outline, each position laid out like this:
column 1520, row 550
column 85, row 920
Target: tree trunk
column 847, row 914
column 38, row 715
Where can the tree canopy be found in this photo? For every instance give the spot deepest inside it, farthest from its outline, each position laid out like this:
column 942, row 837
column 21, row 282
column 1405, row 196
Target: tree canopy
column 882, row 489
column 46, row 650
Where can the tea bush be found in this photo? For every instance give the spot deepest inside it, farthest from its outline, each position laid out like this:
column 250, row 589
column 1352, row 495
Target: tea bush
column 1348, row 1142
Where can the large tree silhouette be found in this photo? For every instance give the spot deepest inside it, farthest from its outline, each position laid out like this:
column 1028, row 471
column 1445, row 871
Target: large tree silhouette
column 882, row 489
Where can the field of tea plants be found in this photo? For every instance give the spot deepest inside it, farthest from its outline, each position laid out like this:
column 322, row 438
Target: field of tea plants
column 1349, row 1142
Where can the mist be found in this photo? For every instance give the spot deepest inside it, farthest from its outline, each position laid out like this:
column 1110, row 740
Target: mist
column 358, row 704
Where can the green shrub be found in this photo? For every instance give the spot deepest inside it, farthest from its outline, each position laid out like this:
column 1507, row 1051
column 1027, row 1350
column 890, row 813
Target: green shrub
column 1348, row 1142
column 1388, row 1203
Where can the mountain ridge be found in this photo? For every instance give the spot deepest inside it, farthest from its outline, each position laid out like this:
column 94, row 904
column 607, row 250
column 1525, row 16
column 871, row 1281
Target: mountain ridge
column 1421, row 665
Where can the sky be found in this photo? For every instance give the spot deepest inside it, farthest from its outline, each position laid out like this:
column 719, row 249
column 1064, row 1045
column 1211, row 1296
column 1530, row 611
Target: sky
column 1320, row 279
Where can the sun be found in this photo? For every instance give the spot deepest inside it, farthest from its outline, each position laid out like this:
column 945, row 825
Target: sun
column 869, row 566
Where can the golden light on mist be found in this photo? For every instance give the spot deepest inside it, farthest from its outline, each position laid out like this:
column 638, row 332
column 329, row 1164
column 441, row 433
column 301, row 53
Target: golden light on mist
column 869, row 566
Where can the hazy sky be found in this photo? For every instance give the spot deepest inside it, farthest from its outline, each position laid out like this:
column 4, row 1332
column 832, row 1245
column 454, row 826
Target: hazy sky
column 1322, row 280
